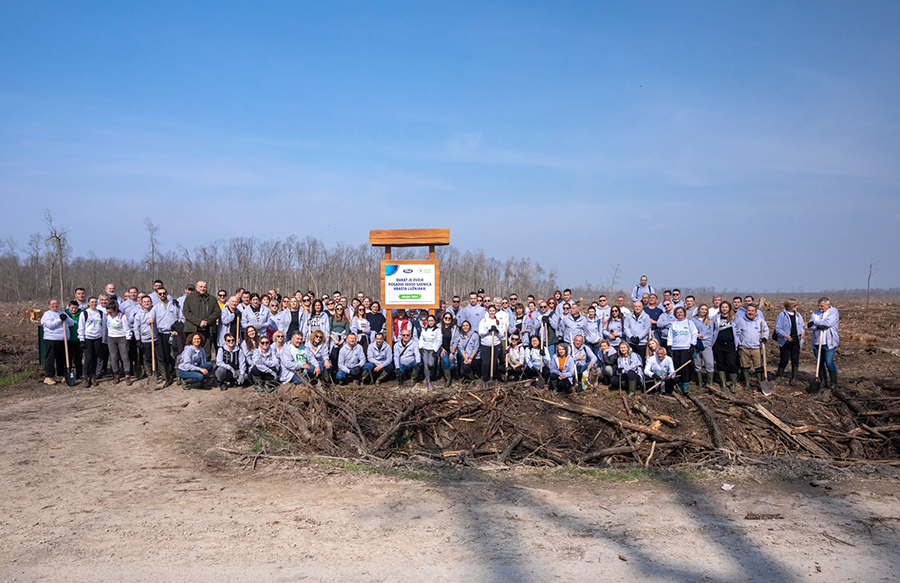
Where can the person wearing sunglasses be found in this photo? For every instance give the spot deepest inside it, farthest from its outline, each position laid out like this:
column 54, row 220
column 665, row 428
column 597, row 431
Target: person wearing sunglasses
column 222, row 298
column 317, row 354
column 352, row 363
column 265, row 367
column 454, row 307
column 515, row 358
column 229, row 363
column 165, row 317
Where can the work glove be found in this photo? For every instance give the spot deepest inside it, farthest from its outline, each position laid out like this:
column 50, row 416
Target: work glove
column 764, row 339
column 354, row 371
column 546, row 319
column 822, row 327
column 635, row 340
column 63, row 317
column 82, row 345
column 494, row 330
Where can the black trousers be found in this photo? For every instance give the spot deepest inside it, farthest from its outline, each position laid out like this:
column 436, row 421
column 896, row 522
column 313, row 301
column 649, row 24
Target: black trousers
column 165, row 362
column 725, row 354
column 640, row 350
column 560, row 383
column 468, row 370
column 531, row 373
column 623, row 379
column 486, row 362
column 54, row 359
column 679, row 357
column 75, row 357
column 790, row 351
column 92, row 351
column 147, row 357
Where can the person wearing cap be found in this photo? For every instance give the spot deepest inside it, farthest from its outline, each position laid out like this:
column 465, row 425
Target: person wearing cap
column 825, row 324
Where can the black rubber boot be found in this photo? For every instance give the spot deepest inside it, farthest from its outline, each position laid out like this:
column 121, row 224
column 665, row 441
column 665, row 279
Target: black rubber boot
column 780, row 373
column 833, row 375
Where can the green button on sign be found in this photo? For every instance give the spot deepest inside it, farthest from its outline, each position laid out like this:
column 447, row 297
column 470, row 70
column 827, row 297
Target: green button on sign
column 410, row 296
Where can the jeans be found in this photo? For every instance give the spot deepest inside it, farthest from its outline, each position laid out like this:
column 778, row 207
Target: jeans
column 194, row 375
column 827, row 359
column 595, row 348
column 406, row 369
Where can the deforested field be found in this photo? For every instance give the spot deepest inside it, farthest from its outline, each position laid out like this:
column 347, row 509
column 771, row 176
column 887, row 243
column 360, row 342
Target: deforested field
column 170, row 486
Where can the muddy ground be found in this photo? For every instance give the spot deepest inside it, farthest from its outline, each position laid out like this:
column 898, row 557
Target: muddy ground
column 111, row 482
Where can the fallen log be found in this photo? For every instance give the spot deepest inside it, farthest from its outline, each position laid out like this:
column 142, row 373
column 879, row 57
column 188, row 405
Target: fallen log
column 612, row 419
column 801, row 440
column 710, row 419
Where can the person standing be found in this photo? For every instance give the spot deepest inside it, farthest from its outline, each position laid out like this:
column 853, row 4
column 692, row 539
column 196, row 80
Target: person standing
column 142, row 332
column 637, row 330
column 118, row 333
column 640, row 289
column 201, row 315
column 490, row 333
column 257, row 315
column 752, row 332
column 707, row 330
column 165, row 317
column 91, row 337
column 56, row 327
column 75, row 352
column 789, row 334
column 824, row 323
column 725, row 346
column 682, row 338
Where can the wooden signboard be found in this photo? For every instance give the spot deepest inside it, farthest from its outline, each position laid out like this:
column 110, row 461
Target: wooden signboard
column 409, row 283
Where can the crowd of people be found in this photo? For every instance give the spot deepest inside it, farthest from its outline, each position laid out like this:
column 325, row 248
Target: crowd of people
column 644, row 342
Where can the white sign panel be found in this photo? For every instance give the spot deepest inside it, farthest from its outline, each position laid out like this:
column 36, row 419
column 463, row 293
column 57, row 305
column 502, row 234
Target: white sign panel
column 412, row 284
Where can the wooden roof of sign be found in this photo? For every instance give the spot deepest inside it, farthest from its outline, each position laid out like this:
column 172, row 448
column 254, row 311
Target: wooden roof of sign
column 408, row 237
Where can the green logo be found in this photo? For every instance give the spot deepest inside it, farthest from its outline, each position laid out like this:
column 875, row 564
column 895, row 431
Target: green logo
column 410, row 296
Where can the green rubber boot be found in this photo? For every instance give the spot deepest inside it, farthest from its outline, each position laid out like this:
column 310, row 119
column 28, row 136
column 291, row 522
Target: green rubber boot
column 732, row 381
column 793, row 382
column 780, row 373
column 722, row 380
column 448, row 378
column 632, row 386
column 834, row 383
column 709, row 380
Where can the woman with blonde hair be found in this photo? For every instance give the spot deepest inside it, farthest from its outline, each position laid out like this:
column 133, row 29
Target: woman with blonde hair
column 318, row 357
column 707, row 330
column 340, row 327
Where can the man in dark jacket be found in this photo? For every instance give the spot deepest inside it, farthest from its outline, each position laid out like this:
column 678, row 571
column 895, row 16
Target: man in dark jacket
column 201, row 314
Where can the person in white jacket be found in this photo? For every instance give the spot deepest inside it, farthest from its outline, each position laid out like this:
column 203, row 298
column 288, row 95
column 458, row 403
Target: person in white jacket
column 681, row 339
column 56, row 325
column 91, row 337
column 491, row 336
column 659, row 368
column 825, row 324
column 430, row 344
column 118, row 332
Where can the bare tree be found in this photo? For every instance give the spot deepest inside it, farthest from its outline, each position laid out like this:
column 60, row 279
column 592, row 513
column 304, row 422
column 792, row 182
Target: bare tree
column 56, row 239
column 152, row 233
column 869, row 279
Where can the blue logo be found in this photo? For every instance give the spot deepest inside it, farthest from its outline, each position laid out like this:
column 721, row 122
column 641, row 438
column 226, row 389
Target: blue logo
column 407, row 270
column 390, row 269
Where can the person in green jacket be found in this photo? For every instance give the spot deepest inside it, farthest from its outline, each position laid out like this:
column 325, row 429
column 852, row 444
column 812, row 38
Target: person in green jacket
column 75, row 352
column 201, row 315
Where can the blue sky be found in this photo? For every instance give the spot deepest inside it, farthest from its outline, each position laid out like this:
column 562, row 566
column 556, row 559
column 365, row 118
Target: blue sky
column 736, row 145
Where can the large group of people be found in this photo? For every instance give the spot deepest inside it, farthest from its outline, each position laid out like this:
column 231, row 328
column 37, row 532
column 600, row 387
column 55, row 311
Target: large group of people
column 202, row 340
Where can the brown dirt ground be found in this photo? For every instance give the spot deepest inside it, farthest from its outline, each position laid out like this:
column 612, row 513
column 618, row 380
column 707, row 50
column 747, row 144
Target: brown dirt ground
column 110, row 482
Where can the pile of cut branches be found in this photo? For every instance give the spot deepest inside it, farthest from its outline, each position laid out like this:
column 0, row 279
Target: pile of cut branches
column 518, row 424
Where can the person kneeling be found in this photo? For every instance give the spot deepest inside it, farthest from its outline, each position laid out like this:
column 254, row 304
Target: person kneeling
column 352, row 362
column 194, row 367
column 265, row 366
column 515, row 359
column 562, row 370
column 629, row 368
column 294, row 361
column 537, row 362
column 229, row 364
column 661, row 369
column 380, row 358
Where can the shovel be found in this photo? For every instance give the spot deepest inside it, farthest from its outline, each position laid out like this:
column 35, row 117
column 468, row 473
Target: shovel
column 816, row 384
column 765, row 385
column 70, row 370
column 671, row 376
column 151, row 380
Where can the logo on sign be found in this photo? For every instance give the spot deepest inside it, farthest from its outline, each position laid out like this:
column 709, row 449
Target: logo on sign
column 407, row 270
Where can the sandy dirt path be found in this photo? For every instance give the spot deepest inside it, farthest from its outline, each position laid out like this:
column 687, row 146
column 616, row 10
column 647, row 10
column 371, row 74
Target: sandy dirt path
column 112, row 482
